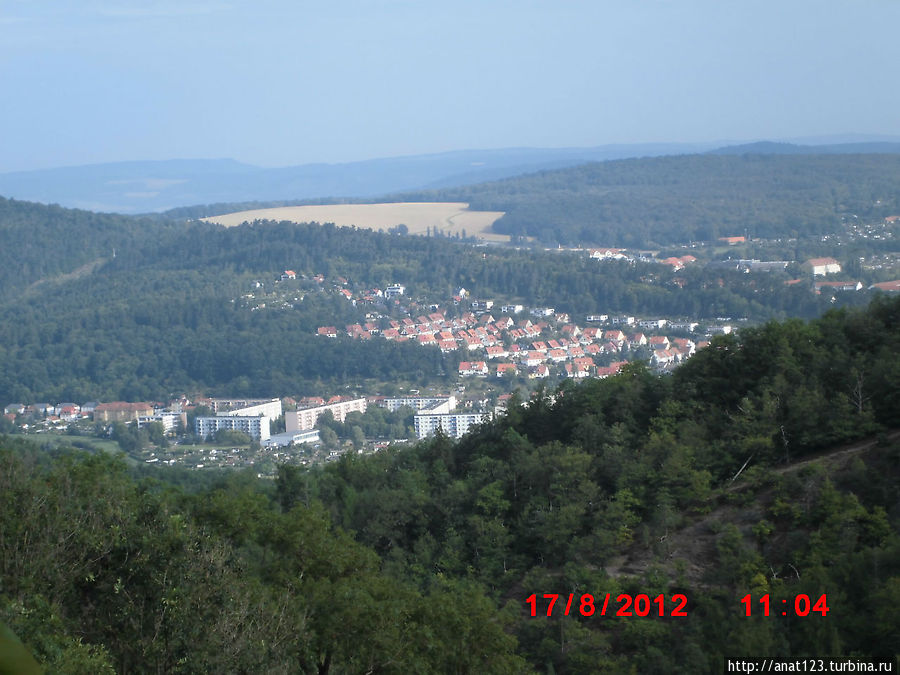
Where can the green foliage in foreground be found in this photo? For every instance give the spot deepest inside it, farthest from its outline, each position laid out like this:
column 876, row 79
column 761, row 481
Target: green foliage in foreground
column 102, row 573
column 420, row 559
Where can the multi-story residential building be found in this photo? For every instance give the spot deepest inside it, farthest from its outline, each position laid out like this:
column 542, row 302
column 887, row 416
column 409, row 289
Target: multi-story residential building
column 482, row 305
column 618, row 320
column 689, row 326
column 120, row 411
column 293, row 438
column 304, row 419
column 169, row 420
column 268, row 407
column 436, row 404
column 454, row 425
column 253, row 418
column 255, row 427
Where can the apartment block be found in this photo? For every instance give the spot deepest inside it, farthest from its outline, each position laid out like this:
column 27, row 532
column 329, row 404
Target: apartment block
column 454, row 426
column 302, row 420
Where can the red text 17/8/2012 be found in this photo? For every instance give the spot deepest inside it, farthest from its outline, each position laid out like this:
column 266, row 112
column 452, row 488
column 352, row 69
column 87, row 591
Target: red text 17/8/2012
column 622, row 605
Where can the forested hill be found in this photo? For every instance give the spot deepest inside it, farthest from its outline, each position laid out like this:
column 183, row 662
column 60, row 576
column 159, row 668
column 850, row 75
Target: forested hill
column 424, row 558
column 641, row 202
column 39, row 242
column 773, row 148
column 169, row 313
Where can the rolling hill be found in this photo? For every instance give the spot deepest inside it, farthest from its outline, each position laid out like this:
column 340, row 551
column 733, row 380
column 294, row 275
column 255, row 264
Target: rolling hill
column 666, row 200
column 144, row 187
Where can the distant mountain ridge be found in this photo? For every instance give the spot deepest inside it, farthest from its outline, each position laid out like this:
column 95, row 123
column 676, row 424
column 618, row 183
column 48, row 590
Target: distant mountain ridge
column 156, row 186
column 153, row 186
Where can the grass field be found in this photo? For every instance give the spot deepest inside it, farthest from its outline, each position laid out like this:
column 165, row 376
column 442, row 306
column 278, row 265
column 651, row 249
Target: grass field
column 451, row 218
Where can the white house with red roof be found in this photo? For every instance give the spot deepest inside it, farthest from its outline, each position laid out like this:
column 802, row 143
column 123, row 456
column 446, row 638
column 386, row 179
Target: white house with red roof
column 507, row 369
column 539, row 372
column 658, row 342
column 557, row 355
column 686, row 346
column 663, row 357
column 637, row 340
column 473, row 368
column 610, row 370
column 533, row 358
column 822, row 266
column 472, row 343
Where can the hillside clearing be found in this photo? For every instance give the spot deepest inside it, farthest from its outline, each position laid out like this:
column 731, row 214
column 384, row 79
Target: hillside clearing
column 450, row 218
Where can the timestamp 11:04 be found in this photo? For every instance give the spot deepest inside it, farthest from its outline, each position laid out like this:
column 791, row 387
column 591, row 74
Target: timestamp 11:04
column 800, row 605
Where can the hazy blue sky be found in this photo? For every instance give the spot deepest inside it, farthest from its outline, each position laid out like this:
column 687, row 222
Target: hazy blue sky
column 275, row 82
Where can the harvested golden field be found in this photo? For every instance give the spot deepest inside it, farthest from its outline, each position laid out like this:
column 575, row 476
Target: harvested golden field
column 451, row 218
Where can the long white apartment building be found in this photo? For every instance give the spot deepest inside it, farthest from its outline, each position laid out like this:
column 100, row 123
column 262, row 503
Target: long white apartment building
column 169, row 420
column 293, row 438
column 434, row 404
column 255, row 427
column 302, row 420
column 253, row 419
column 270, row 407
column 454, row 426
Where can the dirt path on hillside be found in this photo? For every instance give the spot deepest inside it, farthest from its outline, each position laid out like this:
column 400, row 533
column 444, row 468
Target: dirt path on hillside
column 691, row 549
column 83, row 271
column 857, row 447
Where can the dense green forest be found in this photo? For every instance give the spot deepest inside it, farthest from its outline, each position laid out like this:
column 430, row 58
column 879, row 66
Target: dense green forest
column 161, row 316
column 768, row 464
column 39, row 242
column 664, row 200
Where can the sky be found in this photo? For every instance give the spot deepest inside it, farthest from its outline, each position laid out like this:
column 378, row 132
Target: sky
column 277, row 83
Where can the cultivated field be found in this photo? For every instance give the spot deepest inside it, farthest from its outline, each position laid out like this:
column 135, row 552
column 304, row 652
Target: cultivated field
column 451, row 218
